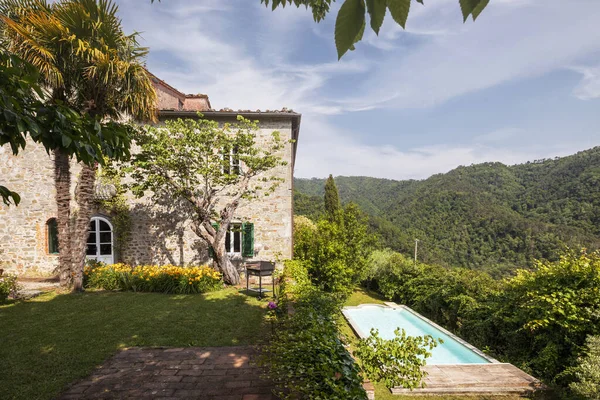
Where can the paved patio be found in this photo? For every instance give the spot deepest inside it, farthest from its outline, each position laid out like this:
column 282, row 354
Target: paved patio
column 495, row 378
column 215, row 373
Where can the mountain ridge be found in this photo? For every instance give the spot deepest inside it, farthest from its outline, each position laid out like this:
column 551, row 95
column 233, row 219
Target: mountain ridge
column 488, row 215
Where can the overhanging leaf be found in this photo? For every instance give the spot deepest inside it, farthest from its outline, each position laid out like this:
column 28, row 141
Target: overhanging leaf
column 399, row 10
column 477, row 10
column 376, row 10
column 468, row 7
column 348, row 24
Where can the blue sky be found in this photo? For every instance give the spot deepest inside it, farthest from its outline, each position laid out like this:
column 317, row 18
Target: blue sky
column 521, row 83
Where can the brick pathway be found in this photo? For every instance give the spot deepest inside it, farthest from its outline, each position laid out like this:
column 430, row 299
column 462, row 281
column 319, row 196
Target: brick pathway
column 216, row 373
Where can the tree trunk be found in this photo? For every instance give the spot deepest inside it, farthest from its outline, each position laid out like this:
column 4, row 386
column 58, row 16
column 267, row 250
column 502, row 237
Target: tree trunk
column 62, row 181
column 84, row 196
column 231, row 275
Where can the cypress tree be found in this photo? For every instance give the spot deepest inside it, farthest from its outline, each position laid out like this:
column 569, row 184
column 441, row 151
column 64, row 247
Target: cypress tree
column 332, row 199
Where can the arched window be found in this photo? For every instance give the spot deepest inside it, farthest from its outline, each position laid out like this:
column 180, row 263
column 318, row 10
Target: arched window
column 52, row 236
column 100, row 245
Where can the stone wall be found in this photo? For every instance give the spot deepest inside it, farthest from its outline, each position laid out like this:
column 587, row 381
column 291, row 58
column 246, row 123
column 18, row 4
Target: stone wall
column 23, row 231
column 165, row 227
column 160, row 232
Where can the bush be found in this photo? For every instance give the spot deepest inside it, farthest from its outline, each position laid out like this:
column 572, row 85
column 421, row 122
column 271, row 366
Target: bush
column 8, row 287
column 306, row 357
column 152, row 278
column 335, row 251
column 587, row 371
column 396, row 362
column 541, row 318
column 446, row 295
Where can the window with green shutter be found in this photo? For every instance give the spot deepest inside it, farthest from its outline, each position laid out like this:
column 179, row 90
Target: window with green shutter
column 247, row 239
column 52, row 236
column 211, row 251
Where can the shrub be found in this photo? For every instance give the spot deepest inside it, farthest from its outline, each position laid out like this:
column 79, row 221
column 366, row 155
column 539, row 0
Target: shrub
column 396, row 362
column 152, row 278
column 8, row 287
column 306, row 357
column 587, row 371
column 335, row 251
column 541, row 318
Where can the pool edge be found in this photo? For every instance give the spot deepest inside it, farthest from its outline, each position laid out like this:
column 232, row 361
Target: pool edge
column 393, row 305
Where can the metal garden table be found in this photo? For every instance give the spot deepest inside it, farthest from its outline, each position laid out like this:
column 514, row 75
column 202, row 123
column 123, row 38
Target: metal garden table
column 260, row 269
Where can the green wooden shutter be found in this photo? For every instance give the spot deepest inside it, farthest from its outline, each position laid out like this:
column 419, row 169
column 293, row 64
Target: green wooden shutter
column 52, row 236
column 247, row 239
column 211, row 251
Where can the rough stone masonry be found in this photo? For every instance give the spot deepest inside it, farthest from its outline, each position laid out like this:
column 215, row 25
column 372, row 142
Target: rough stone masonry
column 160, row 233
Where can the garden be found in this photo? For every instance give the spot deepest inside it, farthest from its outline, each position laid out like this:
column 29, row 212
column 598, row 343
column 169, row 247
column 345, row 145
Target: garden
column 52, row 340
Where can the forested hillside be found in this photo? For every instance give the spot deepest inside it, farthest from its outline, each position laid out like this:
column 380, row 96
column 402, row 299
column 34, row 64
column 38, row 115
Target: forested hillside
column 487, row 216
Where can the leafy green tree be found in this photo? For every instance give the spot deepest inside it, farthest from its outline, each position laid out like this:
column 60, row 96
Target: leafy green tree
column 182, row 161
column 587, row 371
column 27, row 113
column 489, row 216
column 541, row 318
column 335, row 252
column 331, row 199
column 87, row 63
column 351, row 19
column 398, row 361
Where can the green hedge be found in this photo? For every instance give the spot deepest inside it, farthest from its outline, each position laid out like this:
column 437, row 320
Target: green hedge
column 306, row 357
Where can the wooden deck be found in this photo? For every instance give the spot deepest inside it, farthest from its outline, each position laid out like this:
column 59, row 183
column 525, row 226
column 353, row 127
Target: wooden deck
column 494, row 378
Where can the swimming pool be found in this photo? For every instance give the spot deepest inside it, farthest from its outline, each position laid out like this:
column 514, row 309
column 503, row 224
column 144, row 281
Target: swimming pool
column 387, row 318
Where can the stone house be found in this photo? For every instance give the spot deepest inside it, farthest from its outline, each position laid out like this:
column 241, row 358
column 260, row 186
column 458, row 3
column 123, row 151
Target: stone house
column 159, row 233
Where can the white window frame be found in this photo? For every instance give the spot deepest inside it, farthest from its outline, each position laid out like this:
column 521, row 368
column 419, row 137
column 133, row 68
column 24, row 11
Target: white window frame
column 109, row 259
column 234, row 161
column 232, row 235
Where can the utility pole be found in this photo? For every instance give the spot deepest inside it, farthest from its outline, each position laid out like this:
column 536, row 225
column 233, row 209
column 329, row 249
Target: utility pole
column 416, row 248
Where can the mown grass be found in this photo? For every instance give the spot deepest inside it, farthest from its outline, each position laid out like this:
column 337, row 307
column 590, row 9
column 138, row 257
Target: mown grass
column 362, row 296
column 52, row 340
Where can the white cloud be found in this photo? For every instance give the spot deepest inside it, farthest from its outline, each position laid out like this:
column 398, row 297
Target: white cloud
column 589, row 87
column 508, row 42
column 351, row 158
column 245, row 56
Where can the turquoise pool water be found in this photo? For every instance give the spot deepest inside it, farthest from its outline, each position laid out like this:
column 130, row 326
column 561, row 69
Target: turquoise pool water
column 387, row 319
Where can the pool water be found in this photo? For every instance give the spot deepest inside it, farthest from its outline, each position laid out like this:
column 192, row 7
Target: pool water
column 387, row 320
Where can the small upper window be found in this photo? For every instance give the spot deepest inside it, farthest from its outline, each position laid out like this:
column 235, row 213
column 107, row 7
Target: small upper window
column 52, row 236
column 231, row 161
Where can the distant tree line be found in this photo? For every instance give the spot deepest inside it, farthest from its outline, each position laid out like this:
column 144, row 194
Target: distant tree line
column 488, row 216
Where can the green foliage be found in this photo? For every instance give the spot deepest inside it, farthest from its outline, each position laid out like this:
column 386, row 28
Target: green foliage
column 182, row 163
column 396, row 362
column 179, row 160
column 335, row 252
column 8, row 286
column 350, row 21
column 446, row 295
column 304, row 233
column 116, row 204
column 305, row 356
column 331, row 199
column 541, row 318
column 162, row 279
column 28, row 111
column 587, row 371
column 489, row 216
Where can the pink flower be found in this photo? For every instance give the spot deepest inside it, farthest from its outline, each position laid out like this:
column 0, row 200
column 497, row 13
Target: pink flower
column 271, row 305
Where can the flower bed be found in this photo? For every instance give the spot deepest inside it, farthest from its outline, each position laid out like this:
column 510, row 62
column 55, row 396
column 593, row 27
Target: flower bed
column 153, row 278
column 8, row 286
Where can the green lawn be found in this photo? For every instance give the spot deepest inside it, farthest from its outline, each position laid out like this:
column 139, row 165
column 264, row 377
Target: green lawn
column 52, row 340
column 362, row 296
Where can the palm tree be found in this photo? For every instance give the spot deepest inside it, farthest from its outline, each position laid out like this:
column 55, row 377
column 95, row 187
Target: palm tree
column 89, row 64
